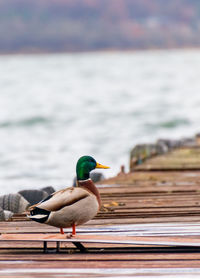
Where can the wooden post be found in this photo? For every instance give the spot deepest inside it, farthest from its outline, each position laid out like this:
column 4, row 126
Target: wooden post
column 57, row 246
column 45, row 247
column 197, row 139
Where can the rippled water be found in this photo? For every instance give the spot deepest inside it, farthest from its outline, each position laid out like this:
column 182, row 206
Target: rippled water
column 56, row 108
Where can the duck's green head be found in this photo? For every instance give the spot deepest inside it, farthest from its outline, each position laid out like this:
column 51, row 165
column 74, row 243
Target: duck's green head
column 85, row 165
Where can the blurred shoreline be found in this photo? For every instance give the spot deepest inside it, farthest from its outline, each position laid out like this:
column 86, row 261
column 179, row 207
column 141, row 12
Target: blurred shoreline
column 98, row 51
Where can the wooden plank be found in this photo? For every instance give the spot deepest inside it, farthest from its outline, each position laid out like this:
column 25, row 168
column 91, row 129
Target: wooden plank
column 152, row 178
column 98, row 256
column 101, row 272
column 105, row 239
column 53, row 265
column 177, row 159
column 148, row 228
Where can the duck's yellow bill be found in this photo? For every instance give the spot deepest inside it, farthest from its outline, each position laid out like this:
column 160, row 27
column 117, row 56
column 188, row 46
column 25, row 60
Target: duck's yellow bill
column 99, row 166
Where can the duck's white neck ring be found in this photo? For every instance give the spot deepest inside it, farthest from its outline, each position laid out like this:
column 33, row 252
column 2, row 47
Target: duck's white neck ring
column 85, row 180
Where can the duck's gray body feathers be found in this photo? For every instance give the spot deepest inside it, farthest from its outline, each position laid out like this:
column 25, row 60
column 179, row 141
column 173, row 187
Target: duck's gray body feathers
column 68, row 207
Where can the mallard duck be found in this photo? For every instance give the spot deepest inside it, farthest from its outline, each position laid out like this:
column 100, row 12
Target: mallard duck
column 71, row 206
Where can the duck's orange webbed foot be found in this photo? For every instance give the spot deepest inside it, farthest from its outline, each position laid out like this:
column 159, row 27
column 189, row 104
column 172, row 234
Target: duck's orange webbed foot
column 69, row 235
column 61, row 231
column 73, row 230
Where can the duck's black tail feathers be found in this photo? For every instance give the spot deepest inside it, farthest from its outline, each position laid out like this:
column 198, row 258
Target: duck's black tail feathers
column 39, row 215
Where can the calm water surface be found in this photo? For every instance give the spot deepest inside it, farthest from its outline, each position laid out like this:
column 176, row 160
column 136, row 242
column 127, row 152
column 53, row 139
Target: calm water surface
column 56, row 108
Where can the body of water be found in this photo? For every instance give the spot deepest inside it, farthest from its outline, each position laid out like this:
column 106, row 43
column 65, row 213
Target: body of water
column 55, row 108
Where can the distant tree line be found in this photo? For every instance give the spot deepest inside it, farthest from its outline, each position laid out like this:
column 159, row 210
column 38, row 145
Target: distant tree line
column 79, row 25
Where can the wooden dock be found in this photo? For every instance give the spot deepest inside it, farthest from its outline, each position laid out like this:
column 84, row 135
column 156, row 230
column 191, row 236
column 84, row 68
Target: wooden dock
column 149, row 224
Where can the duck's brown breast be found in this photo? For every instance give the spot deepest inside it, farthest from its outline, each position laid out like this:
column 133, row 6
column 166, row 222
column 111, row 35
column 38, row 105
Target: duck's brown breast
column 90, row 187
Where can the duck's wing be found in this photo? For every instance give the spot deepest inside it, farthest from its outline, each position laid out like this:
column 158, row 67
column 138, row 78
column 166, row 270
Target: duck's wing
column 61, row 198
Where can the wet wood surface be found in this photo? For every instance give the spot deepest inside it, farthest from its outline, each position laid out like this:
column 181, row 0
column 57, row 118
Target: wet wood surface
column 156, row 208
